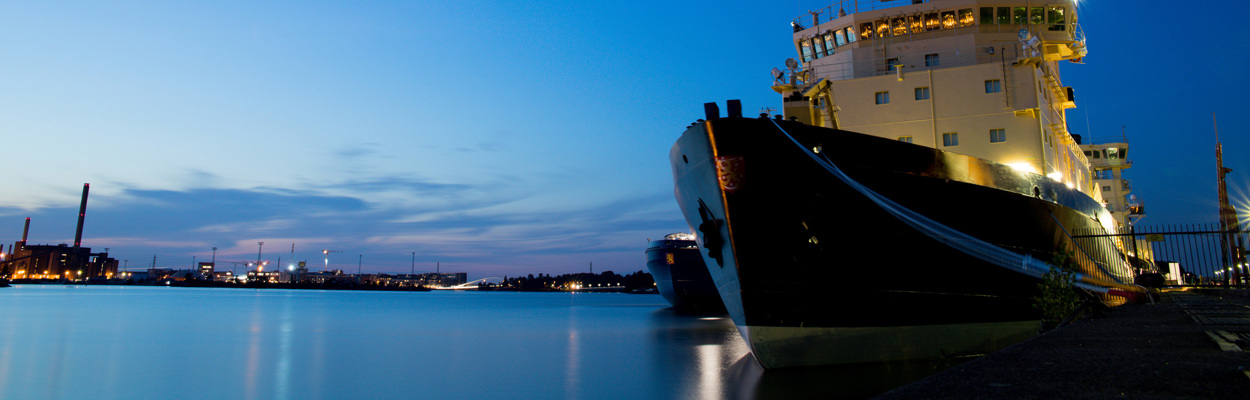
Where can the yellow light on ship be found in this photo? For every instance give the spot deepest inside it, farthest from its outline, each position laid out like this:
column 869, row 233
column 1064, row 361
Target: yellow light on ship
column 1023, row 166
column 1055, row 176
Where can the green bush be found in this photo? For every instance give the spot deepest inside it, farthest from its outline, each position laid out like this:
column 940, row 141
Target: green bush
column 1058, row 297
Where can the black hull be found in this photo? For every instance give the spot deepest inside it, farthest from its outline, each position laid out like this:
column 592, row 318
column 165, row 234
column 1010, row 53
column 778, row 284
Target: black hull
column 681, row 277
column 798, row 254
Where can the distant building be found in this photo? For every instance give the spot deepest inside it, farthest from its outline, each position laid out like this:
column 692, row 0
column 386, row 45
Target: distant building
column 206, row 268
column 56, row 262
column 262, row 276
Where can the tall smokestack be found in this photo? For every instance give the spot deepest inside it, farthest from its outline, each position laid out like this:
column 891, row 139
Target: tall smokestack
column 82, row 214
column 25, row 231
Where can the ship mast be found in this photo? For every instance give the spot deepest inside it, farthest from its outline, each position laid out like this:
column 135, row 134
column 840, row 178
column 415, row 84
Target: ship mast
column 1230, row 240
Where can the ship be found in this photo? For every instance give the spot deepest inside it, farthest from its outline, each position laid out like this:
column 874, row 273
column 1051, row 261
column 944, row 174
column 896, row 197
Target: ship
column 680, row 274
column 861, row 227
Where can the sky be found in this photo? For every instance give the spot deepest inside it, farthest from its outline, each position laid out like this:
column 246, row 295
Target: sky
column 488, row 137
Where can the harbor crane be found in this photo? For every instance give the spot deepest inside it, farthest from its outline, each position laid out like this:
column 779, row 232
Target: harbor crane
column 327, row 254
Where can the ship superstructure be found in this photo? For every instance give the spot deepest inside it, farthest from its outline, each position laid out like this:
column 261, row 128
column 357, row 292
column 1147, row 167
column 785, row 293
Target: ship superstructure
column 1108, row 159
column 979, row 78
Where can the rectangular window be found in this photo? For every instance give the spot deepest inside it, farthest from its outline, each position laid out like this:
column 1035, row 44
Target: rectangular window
column 883, row 28
column 948, row 20
column 993, row 86
column 931, row 60
column 807, row 50
column 998, row 135
column 892, row 64
column 987, row 15
column 904, row 139
column 1054, row 16
column 965, row 17
column 1036, row 16
column 932, row 22
column 1004, row 15
column 1019, row 15
column 865, row 30
column 839, row 37
column 899, row 26
column 883, row 97
column 922, row 93
column 850, row 34
column 829, row 43
column 916, row 23
column 819, row 45
column 950, row 139
column 1097, row 154
column 1106, row 188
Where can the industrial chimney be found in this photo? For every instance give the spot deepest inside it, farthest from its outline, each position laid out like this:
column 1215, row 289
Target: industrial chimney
column 25, row 231
column 82, row 213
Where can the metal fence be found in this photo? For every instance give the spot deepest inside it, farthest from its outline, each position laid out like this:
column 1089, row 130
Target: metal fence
column 1186, row 254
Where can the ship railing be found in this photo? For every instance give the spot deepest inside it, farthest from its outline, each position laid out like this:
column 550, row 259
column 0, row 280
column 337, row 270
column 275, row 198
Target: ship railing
column 844, row 7
column 1107, row 140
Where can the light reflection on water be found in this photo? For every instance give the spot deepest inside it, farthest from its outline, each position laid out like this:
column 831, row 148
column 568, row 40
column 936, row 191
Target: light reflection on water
column 155, row 342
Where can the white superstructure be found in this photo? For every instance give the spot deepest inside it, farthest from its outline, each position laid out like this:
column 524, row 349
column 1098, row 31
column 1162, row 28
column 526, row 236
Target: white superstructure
column 973, row 77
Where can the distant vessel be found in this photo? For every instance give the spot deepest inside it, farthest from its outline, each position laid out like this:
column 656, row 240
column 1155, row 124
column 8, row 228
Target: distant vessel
column 865, row 228
column 680, row 275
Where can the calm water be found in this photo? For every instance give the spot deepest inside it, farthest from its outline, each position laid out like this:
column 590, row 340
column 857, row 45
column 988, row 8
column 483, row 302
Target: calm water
column 75, row 342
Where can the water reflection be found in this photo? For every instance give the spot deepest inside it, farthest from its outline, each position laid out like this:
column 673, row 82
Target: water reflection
column 723, row 368
column 127, row 342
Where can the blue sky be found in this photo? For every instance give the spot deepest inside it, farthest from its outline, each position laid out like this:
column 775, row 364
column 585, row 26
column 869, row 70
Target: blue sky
column 492, row 137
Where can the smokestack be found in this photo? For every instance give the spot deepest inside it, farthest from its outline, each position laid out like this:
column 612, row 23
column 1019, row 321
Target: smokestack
column 25, row 231
column 82, row 214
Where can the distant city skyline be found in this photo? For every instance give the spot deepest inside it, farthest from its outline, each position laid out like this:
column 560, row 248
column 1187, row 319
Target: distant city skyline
column 493, row 138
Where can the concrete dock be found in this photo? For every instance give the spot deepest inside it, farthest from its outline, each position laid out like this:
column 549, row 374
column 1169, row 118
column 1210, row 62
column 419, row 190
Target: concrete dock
column 1187, row 346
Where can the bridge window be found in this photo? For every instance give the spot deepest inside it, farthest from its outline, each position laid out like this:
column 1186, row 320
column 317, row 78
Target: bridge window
column 948, row 19
column 807, row 50
column 1019, row 15
column 1055, row 17
column 819, row 44
column 865, row 31
column 1036, row 17
column 850, row 34
column 965, row 17
column 899, row 26
column 916, row 23
column 839, row 37
column 1004, row 15
column 883, row 29
column 829, row 43
column 987, row 15
column 932, row 22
